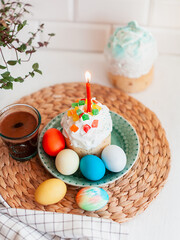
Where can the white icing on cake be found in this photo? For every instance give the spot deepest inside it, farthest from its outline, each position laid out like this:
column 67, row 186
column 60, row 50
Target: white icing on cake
column 131, row 51
column 94, row 136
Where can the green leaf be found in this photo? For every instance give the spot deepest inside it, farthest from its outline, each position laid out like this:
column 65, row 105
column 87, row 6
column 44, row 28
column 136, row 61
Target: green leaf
column 12, row 62
column 3, row 80
column 2, row 44
column 2, row 67
column 2, row 28
column 8, row 85
column 29, row 42
column 38, row 71
column 24, row 22
column 2, row 1
column 51, row 34
column 5, row 74
column 19, row 79
column 31, row 74
column 21, row 25
column 35, row 66
column 19, row 61
column 9, row 79
column 22, row 48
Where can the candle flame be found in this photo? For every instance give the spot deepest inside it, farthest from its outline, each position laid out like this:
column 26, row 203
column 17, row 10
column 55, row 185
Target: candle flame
column 88, row 76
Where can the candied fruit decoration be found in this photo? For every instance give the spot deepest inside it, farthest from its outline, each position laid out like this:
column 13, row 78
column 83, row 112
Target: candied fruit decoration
column 95, row 106
column 83, row 99
column 90, row 113
column 94, row 101
column 81, row 102
column 75, row 117
column 76, row 108
column 86, row 128
column 79, row 111
column 85, row 109
column 77, row 100
column 75, row 104
column 85, row 117
column 71, row 112
column 98, row 107
column 81, row 115
column 74, row 128
column 95, row 111
column 95, row 124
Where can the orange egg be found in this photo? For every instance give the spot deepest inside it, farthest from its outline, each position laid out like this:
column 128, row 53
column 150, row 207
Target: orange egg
column 53, row 142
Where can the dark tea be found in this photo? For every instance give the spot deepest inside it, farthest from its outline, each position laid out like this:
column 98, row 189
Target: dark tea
column 19, row 130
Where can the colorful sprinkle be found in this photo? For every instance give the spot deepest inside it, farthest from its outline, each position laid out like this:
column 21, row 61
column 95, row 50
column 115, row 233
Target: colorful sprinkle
column 95, row 111
column 75, row 117
column 95, row 124
column 85, row 117
column 86, row 128
column 85, row 109
column 94, row 101
column 74, row 128
column 95, row 106
column 81, row 102
column 98, row 107
column 71, row 112
column 74, row 104
column 81, row 115
column 79, row 111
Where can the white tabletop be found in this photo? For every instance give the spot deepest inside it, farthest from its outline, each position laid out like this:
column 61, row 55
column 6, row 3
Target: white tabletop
column 161, row 219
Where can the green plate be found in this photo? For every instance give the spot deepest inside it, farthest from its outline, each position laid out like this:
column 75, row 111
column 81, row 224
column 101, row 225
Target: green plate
column 123, row 135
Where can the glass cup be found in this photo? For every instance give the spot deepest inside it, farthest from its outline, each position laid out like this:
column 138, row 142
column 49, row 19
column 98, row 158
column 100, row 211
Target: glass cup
column 19, row 128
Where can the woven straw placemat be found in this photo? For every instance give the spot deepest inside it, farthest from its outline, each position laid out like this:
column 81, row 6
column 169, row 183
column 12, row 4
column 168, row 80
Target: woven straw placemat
column 129, row 195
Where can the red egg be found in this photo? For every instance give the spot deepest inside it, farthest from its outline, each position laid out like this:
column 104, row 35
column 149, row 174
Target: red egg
column 53, row 142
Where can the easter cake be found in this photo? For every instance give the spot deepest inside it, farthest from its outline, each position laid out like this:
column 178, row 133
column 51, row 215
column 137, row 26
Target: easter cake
column 130, row 53
column 87, row 132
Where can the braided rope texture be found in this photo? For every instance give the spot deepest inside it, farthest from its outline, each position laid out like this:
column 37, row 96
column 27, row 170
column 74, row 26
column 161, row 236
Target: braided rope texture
column 130, row 195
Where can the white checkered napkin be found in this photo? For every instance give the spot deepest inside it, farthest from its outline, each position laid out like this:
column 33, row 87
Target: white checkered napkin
column 22, row 224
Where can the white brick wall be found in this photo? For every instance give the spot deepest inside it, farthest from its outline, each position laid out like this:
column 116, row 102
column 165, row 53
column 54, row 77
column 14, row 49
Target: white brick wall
column 77, row 36
column 52, row 10
column 165, row 13
column 112, row 11
column 85, row 25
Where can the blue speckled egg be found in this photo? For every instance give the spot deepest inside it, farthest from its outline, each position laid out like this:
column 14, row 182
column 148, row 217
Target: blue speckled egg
column 92, row 198
column 92, row 167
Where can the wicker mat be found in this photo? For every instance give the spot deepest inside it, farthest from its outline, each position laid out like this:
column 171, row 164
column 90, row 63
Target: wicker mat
column 129, row 195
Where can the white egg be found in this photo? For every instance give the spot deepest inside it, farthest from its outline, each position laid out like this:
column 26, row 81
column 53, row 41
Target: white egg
column 67, row 162
column 114, row 158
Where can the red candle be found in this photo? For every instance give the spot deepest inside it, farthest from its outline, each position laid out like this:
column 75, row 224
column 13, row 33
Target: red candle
column 88, row 90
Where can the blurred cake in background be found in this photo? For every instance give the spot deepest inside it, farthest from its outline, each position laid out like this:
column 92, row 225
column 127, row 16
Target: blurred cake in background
column 131, row 52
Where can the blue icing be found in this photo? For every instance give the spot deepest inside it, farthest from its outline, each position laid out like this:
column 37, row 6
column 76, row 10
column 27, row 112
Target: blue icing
column 136, row 47
column 118, row 51
column 133, row 26
column 147, row 37
column 128, row 39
